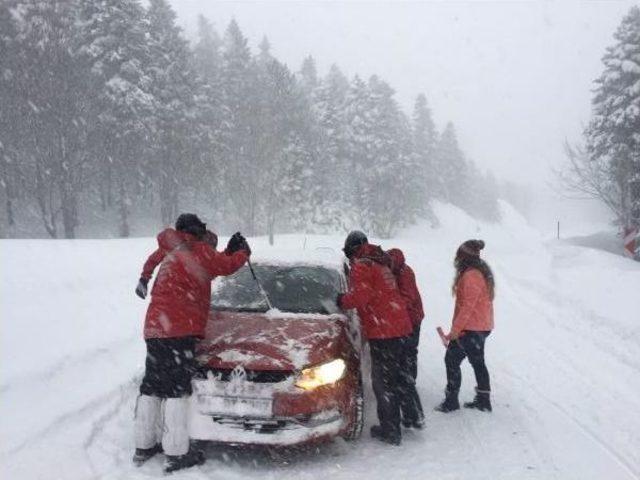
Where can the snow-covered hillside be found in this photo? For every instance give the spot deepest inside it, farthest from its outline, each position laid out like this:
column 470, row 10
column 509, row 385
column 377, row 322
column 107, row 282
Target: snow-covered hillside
column 564, row 360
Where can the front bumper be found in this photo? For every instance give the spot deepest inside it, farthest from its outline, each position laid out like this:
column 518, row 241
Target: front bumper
column 296, row 417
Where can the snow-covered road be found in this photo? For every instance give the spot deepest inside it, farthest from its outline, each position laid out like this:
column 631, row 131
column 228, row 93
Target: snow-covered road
column 564, row 358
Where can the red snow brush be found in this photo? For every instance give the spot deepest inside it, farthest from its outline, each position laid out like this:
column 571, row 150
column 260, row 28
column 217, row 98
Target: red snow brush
column 443, row 337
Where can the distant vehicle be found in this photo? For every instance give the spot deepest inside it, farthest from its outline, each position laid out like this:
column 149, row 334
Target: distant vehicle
column 286, row 376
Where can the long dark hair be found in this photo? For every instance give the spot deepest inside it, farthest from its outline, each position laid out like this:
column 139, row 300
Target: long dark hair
column 468, row 256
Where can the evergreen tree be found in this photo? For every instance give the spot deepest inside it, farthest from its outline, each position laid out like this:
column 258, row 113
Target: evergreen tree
column 451, row 178
column 175, row 88
column 425, row 137
column 358, row 125
column 613, row 135
column 52, row 110
column 111, row 44
column 393, row 191
column 328, row 195
column 207, row 175
column 239, row 81
column 206, row 52
column 11, row 134
column 309, row 76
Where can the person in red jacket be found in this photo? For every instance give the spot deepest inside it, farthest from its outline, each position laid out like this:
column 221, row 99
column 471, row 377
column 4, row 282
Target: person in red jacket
column 406, row 279
column 373, row 291
column 175, row 319
column 474, row 288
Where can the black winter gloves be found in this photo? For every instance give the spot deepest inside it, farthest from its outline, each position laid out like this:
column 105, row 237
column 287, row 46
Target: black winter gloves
column 238, row 242
column 141, row 289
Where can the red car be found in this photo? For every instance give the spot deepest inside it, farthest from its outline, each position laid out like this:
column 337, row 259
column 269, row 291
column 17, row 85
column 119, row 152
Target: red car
column 282, row 376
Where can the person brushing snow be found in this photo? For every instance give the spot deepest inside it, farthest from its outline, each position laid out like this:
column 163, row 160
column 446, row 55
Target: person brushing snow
column 474, row 289
column 373, row 291
column 175, row 319
column 406, row 280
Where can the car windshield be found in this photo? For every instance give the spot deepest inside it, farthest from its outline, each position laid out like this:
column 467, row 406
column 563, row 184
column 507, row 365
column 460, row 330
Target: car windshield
column 296, row 289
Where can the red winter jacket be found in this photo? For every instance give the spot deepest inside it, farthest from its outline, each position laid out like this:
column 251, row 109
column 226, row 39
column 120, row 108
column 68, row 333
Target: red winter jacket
column 407, row 284
column 474, row 307
column 181, row 294
column 373, row 291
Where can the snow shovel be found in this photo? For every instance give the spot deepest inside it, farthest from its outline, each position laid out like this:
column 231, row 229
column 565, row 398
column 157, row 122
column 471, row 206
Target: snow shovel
column 262, row 290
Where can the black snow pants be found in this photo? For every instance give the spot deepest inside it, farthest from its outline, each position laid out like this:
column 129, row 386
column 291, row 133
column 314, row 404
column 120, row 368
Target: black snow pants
column 391, row 383
column 471, row 345
column 408, row 403
column 169, row 367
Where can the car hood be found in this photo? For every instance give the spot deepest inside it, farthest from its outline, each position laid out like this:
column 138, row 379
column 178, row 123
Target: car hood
column 270, row 341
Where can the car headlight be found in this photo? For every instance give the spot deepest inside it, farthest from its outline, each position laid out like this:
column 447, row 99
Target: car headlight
column 323, row 374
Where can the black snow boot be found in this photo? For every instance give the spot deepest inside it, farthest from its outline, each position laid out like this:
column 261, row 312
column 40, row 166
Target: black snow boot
column 144, row 454
column 449, row 404
column 481, row 402
column 178, row 462
column 378, row 433
column 417, row 424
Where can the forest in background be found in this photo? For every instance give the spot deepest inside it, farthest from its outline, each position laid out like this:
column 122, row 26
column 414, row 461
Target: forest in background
column 113, row 123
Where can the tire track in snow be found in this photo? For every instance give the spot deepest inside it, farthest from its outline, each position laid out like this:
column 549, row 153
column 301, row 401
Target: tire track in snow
column 66, row 363
column 585, row 429
column 547, row 296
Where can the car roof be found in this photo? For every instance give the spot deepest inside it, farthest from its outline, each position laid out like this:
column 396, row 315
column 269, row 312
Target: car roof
column 327, row 258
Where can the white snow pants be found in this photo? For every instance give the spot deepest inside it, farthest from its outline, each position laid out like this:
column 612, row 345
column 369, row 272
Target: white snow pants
column 151, row 428
column 148, row 421
column 175, row 434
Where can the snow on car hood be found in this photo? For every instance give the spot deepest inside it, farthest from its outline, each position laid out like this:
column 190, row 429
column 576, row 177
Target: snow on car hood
column 270, row 341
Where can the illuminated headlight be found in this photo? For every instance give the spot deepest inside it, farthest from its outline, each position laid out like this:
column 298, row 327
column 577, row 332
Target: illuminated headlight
column 323, row 374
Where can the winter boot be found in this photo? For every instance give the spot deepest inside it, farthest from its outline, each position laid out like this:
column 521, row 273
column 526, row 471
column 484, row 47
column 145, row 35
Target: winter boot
column 147, row 426
column 417, row 424
column 378, row 433
column 178, row 462
column 449, row 404
column 143, row 454
column 481, row 402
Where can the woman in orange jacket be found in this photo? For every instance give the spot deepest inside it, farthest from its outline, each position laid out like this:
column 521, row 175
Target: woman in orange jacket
column 472, row 323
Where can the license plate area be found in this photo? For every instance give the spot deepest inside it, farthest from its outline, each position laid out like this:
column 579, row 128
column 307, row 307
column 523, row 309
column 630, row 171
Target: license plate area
column 235, row 406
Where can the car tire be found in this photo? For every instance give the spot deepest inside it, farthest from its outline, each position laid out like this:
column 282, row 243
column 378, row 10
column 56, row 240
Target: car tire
column 357, row 414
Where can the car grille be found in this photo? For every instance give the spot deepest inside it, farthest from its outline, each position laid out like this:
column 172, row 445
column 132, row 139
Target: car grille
column 257, row 376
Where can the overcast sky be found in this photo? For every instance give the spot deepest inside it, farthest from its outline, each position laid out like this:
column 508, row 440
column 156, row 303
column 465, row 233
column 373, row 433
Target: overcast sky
column 515, row 77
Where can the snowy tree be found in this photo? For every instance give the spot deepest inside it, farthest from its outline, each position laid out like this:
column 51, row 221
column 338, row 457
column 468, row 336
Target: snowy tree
column 613, row 135
column 451, row 172
column 111, row 43
column 51, row 110
column 206, row 51
column 174, row 86
column 328, row 199
column 309, row 76
column 10, row 126
column 207, row 176
column 425, row 137
column 239, row 79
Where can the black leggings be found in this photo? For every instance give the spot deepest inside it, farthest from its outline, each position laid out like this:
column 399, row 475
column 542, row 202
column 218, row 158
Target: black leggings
column 169, row 367
column 471, row 345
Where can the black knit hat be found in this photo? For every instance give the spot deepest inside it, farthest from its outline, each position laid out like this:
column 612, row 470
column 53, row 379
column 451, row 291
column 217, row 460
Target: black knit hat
column 353, row 241
column 470, row 248
column 190, row 223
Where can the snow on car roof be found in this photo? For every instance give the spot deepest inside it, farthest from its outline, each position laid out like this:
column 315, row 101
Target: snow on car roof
column 329, row 258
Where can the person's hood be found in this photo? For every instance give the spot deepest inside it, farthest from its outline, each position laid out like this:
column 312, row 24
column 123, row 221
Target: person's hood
column 169, row 238
column 397, row 259
column 368, row 251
